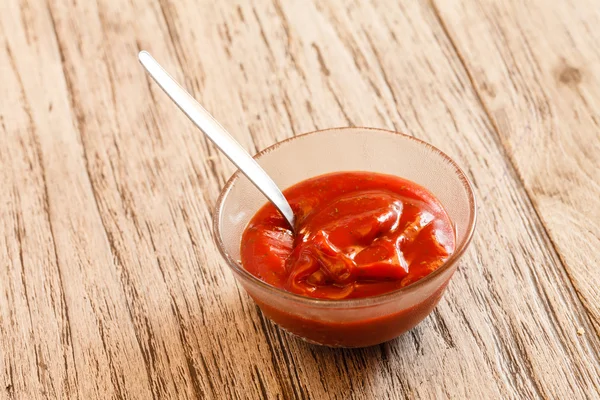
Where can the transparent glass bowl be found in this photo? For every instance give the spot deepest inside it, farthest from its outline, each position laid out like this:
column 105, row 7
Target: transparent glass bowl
column 355, row 322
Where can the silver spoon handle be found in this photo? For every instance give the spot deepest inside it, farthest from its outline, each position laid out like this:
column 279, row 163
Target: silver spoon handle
column 218, row 135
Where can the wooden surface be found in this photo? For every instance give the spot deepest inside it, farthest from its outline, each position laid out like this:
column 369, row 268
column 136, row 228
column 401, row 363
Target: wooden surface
column 110, row 284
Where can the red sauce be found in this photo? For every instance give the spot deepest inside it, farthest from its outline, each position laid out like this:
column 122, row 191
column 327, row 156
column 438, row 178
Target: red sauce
column 356, row 333
column 358, row 234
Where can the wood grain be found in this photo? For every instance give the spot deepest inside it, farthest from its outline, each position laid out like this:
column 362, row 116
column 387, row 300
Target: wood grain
column 110, row 284
column 543, row 96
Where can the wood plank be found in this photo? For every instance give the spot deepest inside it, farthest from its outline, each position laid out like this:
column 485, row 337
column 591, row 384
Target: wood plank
column 536, row 67
column 65, row 331
column 122, row 188
column 155, row 180
column 429, row 89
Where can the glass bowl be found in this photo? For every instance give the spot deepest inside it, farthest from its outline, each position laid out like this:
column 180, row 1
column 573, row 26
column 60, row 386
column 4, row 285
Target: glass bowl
column 355, row 322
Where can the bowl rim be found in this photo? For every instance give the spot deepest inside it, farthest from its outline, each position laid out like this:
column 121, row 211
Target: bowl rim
column 363, row 301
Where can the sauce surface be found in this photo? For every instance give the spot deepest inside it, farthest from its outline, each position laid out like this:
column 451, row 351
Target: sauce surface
column 358, row 234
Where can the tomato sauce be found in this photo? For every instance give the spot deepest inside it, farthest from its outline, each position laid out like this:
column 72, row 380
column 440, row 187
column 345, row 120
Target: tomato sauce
column 357, row 234
column 360, row 332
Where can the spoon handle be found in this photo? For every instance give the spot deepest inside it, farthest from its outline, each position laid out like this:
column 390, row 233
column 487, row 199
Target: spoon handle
column 218, row 135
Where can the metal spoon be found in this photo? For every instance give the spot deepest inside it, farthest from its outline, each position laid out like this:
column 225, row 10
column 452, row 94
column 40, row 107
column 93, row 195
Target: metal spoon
column 218, row 135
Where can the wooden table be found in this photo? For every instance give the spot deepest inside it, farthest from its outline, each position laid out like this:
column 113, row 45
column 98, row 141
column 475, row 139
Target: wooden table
column 110, row 284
